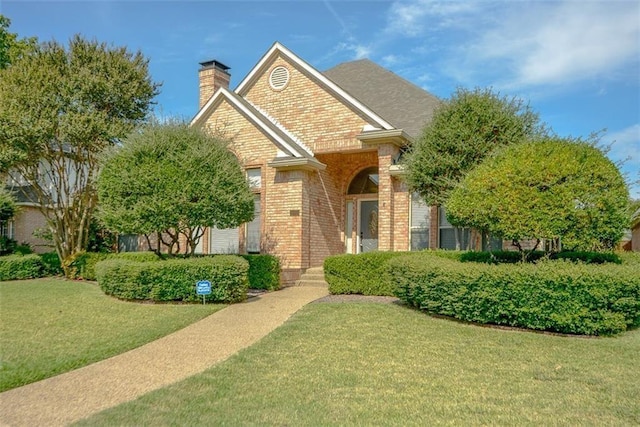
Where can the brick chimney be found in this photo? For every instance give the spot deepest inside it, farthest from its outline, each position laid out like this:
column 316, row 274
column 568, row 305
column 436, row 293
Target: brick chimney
column 212, row 74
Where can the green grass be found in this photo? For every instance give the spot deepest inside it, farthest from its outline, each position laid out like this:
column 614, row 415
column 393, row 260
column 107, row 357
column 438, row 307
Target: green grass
column 50, row 326
column 375, row 364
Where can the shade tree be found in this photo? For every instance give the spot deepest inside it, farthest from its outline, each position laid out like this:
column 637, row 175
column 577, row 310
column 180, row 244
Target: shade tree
column 60, row 108
column 561, row 189
column 464, row 130
column 171, row 180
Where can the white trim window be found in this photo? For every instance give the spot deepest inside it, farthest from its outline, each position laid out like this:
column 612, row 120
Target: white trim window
column 254, row 176
column 7, row 229
column 450, row 237
column 420, row 223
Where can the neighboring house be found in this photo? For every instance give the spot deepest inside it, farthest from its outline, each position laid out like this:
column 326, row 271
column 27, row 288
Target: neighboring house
column 320, row 150
column 635, row 232
column 27, row 220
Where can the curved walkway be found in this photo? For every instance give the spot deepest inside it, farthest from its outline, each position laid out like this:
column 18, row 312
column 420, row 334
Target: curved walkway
column 69, row 397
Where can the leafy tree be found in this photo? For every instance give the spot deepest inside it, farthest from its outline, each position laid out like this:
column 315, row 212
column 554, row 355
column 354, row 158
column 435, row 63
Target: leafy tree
column 59, row 109
column 7, row 211
column 7, row 205
column 556, row 188
column 12, row 48
column 464, row 130
column 171, row 179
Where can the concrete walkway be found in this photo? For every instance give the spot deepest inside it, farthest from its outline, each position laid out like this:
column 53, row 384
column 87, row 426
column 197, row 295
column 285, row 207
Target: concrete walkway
column 78, row 394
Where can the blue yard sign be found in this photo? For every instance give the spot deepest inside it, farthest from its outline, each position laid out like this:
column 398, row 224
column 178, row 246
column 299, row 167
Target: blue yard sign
column 203, row 287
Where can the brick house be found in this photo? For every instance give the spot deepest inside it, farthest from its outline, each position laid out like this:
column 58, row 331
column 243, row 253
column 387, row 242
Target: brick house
column 320, row 150
column 27, row 221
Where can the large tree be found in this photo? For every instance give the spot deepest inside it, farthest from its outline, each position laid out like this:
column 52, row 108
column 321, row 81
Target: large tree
column 464, row 130
column 557, row 189
column 59, row 109
column 172, row 180
column 11, row 49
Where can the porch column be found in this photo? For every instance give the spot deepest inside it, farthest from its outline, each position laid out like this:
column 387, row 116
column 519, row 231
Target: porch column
column 386, row 152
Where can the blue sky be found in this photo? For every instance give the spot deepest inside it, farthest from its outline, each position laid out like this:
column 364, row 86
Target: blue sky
column 576, row 62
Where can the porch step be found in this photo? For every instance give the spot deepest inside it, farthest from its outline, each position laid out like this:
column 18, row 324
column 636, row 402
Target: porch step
column 314, row 276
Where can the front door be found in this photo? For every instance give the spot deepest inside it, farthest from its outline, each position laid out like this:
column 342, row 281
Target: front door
column 368, row 226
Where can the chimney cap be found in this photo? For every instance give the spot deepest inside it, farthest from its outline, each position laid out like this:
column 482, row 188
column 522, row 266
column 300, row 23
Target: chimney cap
column 214, row 64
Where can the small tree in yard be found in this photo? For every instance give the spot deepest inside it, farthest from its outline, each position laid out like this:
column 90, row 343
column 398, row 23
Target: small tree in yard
column 564, row 189
column 464, row 130
column 59, row 109
column 171, row 180
column 8, row 209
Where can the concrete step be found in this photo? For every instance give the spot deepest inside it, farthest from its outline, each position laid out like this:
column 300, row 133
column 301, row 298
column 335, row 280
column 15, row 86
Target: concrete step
column 312, row 276
column 312, row 283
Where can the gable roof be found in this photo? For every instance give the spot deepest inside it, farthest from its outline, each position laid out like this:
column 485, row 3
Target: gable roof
column 279, row 49
column 286, row 142
column 401, row 103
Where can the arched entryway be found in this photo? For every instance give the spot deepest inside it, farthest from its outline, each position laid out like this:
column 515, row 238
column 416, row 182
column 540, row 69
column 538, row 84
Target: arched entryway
column 361, row 228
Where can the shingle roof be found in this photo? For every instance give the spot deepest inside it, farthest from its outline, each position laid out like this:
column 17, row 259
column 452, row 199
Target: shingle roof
column 400, row 102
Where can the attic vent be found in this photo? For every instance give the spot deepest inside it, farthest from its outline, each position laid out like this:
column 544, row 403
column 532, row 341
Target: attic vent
column 279, row 78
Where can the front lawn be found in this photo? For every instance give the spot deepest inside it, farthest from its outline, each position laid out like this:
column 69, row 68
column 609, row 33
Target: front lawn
column 50, row 326
column 376, row 364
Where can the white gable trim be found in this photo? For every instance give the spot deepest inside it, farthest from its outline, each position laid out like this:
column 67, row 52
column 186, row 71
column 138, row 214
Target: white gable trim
column 282, row 128
column 260, row 122
column 277, row 47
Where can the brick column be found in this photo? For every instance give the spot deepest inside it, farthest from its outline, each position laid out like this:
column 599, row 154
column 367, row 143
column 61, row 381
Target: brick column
column 385, row 197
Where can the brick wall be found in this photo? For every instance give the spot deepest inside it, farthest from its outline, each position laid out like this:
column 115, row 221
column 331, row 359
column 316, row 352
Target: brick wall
column 28, row 220
column 308, row 111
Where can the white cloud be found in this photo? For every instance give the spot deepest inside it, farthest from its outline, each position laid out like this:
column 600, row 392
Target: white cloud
column 562, row 42
column 414, row 18
column 524, row 44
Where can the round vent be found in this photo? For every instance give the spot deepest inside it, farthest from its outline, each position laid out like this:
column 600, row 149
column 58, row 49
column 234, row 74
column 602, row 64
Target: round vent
column 279, row 78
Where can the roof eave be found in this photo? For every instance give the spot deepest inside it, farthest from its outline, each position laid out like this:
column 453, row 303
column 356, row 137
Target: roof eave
column 397, row 170
column 296, row 163
column 397, row 137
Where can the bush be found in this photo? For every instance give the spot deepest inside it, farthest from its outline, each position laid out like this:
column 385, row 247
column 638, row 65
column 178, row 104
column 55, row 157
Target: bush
column 83, row 265
column 51, row 264
column 175, row 279
column 17, row 267
column 264, row 272
column 555, row 296
column 501, row 257
column 630, row 258
column 7, row 245
column 359, row 274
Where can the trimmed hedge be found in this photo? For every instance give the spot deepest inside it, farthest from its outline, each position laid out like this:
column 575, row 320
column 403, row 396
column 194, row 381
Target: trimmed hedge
column 264, row 272
column 359, row 274
column 84, row 264
column 18, row 267
column 557, row 296
column 51, row 264
column 175, row 279
column 512, row 257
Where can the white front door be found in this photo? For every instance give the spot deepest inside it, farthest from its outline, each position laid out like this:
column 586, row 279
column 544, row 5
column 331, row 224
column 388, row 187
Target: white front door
column 367, row 225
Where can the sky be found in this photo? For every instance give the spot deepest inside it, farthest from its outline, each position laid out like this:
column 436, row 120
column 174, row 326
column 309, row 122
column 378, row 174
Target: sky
column 577, row 63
